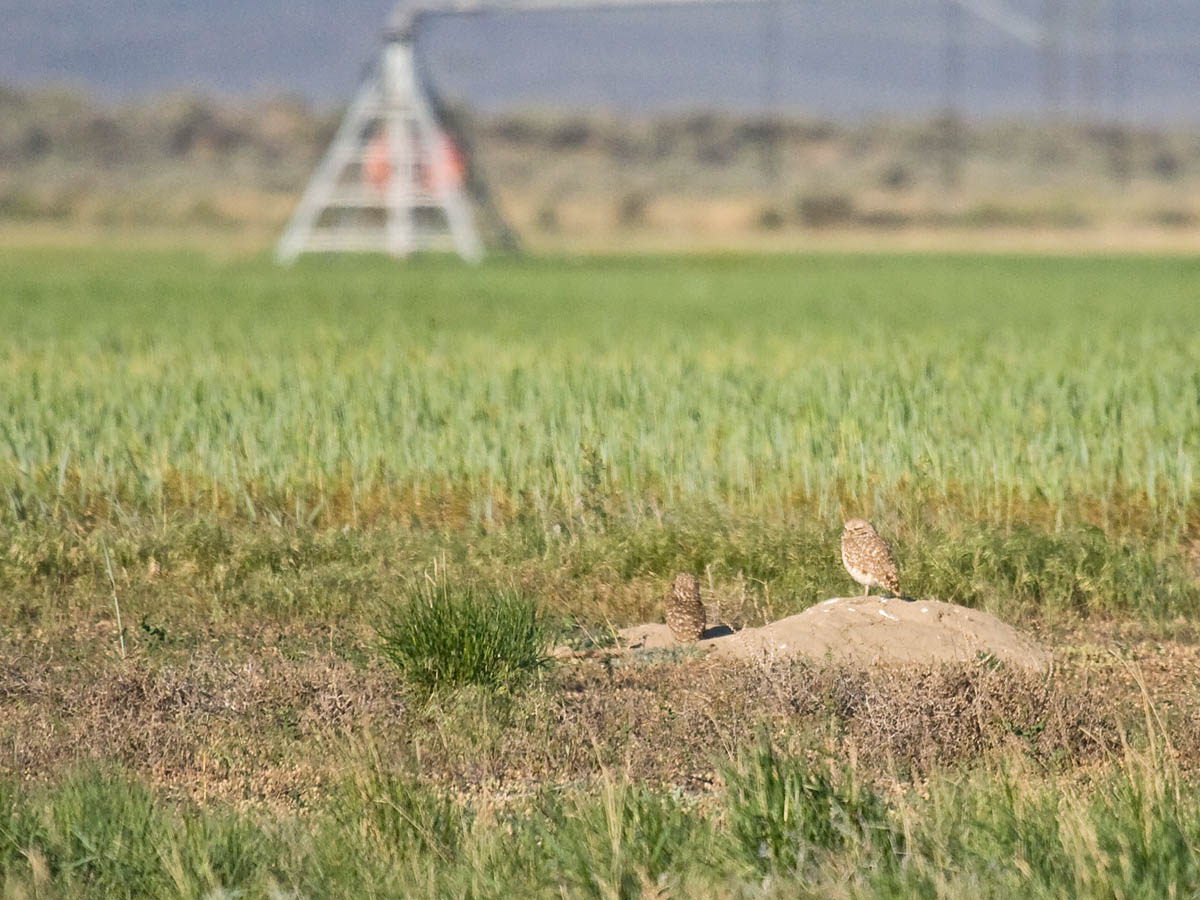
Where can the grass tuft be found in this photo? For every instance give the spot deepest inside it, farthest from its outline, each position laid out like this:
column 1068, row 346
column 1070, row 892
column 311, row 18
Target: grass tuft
column 624, row 842
column 786, row 814
column 446, row 635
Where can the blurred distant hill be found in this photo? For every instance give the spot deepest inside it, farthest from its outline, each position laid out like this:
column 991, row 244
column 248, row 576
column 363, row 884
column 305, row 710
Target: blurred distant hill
column 1121, row 59
column 66, row 157
column 186, row 161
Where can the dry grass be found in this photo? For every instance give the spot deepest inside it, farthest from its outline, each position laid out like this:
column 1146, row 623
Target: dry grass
column 673, row 723
column 251, row 727
column 264, row 726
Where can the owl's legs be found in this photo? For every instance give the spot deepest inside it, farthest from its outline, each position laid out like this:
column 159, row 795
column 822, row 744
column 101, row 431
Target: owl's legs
column 867, row 589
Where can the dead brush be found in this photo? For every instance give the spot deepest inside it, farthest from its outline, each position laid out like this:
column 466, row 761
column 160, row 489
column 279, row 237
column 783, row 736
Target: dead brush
column 952, row 713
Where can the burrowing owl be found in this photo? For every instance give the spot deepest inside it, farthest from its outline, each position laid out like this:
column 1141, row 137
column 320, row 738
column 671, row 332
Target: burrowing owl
column 868, row 558
column 685, row 612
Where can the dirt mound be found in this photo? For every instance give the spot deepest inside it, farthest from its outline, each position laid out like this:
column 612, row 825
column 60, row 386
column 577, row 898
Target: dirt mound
column 868, row 631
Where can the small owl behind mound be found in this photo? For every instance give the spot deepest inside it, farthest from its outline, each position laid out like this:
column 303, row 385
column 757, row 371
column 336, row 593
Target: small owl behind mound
column 685, row 612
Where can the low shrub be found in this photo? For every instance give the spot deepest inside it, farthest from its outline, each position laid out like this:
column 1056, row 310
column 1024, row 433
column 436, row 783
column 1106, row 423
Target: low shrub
column 445, row 635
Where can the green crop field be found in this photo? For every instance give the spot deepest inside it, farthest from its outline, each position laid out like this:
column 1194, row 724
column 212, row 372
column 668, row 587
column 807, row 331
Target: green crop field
column 255, row 467
column 640, row 414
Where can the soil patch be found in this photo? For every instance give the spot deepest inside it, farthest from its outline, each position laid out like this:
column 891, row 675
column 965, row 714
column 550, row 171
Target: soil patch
column 865, row 631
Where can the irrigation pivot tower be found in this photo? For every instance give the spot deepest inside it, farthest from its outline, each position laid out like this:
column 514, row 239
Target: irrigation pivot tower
column 394, row 181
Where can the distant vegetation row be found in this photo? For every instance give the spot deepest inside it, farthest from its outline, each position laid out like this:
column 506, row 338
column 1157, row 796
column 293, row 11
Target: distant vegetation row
column 189, row 161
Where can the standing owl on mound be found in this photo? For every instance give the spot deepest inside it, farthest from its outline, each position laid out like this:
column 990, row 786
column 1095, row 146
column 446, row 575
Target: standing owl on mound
column 685, row 612
column 868, row 558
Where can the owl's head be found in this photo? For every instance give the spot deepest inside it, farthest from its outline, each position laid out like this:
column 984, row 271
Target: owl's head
column 860, row 528
column 685, row 585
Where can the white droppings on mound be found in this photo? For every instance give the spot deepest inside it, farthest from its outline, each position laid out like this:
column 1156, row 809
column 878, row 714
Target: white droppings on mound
column 867, row 633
